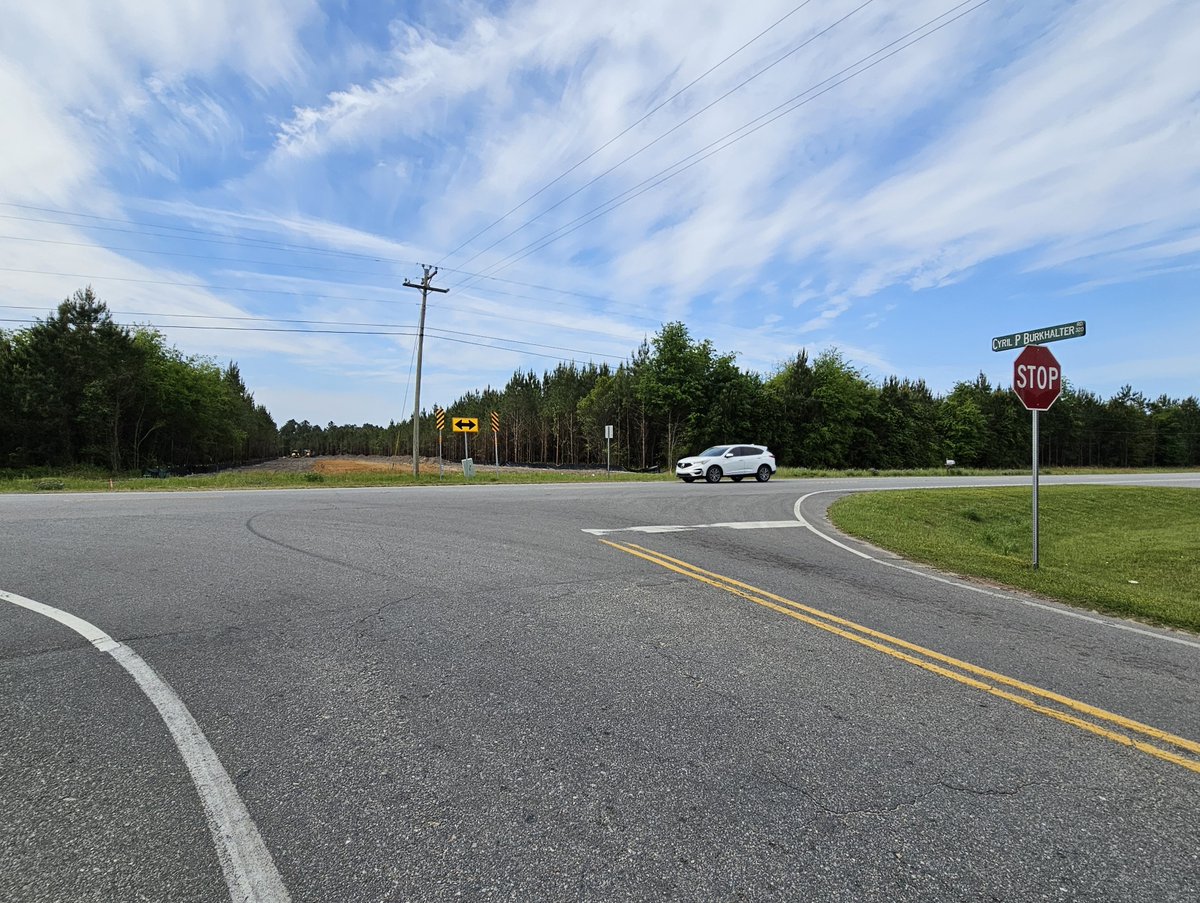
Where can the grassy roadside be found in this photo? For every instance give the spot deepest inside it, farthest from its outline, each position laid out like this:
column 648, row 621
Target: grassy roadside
column 98, row 481
column 1128, row 551
column 261, row 479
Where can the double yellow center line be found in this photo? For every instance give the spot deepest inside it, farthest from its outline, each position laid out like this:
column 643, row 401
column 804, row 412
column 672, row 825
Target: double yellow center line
column 1117, row 728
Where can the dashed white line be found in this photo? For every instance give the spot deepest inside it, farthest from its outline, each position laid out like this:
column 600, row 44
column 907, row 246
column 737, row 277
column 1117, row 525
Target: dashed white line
column 250, row 871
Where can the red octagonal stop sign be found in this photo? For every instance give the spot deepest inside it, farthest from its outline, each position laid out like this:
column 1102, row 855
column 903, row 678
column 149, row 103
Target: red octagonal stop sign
column 1037, row 378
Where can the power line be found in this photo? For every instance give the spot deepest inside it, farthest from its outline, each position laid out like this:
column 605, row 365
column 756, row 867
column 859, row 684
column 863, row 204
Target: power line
column 209, row 286
column 733, row 137
column 254, row 241
column 207, row 257
column 625, row 132
column 544, row 240
column 669, row 131
column 336, row 332
column 269, row 243
column 325, row 297
column 382, row 326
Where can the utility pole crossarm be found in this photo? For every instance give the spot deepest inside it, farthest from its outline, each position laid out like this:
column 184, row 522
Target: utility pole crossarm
column 428, row 288
column 425, row 289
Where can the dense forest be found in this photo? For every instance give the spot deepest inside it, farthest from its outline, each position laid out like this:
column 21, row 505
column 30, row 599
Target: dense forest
column 677, row 395
column 78, row 389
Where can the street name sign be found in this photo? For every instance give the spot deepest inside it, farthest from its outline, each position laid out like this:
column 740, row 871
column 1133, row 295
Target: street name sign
column 1039, row 336
column 1037, row 381
column 465, row 424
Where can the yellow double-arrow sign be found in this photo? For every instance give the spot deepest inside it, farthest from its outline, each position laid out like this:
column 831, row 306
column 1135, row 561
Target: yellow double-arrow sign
column 470, row 424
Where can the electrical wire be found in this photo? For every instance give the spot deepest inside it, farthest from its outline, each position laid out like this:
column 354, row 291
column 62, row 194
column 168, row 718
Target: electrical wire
column 337, row 332
column 266, row 243
column 626, row 131
column 207, row 257
column 732, row 137
column 286, row 265
column 669, row 131
column 435, row 329
column 324, row 297
column 555, row 235
column 263, row 242
column 474, row 277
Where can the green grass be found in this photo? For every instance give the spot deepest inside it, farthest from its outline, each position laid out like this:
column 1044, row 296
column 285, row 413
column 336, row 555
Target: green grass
column 1128, row 551
column 95, row 480
column 258, row 479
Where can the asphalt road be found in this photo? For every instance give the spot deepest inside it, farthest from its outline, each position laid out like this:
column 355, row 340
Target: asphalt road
column 460, row 693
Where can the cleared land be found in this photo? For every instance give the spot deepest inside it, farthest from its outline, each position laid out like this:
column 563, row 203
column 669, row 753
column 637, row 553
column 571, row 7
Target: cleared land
column 289, row 473
column 1127, row 551
column 341, row 464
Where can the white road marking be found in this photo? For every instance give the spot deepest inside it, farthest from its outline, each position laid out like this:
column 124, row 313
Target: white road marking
column 757, row 525
column 249, row 869
column 680, row 528
column 1065, row 612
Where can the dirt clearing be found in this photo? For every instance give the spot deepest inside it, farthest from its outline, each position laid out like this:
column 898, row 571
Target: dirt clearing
column 335, row 464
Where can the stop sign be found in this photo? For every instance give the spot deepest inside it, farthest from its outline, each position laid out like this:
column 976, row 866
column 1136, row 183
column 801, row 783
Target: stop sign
column 1037, row 378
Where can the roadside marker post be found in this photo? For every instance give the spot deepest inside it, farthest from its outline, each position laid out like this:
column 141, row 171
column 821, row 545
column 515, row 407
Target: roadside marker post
column 439, row 415
column 496, row 437
column 1037, row 382
column 608, row 436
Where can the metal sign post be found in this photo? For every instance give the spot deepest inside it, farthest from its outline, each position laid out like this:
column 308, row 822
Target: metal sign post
column 1035, row 488
column 1037, row 380
column 466, row 426
column 608, row 435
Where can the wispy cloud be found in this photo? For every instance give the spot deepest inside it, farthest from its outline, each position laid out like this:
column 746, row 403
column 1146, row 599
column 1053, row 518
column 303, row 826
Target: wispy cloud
column 1019, row 153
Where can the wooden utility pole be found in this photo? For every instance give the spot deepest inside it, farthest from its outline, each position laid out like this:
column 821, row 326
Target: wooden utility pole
column 425, row 288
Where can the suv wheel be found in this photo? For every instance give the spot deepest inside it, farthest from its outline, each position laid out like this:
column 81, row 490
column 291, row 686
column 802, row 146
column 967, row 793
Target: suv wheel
column 713, row 474
column 763, row 474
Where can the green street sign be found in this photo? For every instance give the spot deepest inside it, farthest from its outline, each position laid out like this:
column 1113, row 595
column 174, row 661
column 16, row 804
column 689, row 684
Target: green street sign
column 1040, row 336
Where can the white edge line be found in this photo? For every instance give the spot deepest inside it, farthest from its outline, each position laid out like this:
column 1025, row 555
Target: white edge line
column 250, row 871
column 1007, row 597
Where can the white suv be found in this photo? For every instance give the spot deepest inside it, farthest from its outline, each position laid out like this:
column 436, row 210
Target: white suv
column 734, row 461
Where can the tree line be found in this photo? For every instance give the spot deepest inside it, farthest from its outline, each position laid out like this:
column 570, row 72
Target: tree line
column 77, row 389
column 677, row 395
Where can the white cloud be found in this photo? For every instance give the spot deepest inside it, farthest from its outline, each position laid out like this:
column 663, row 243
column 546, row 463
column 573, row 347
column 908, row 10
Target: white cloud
column 1055, row 138
column 1092, row 131
column 45, row 157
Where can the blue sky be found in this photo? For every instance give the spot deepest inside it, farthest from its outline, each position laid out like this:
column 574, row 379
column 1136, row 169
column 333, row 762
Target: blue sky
column 258, row 163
